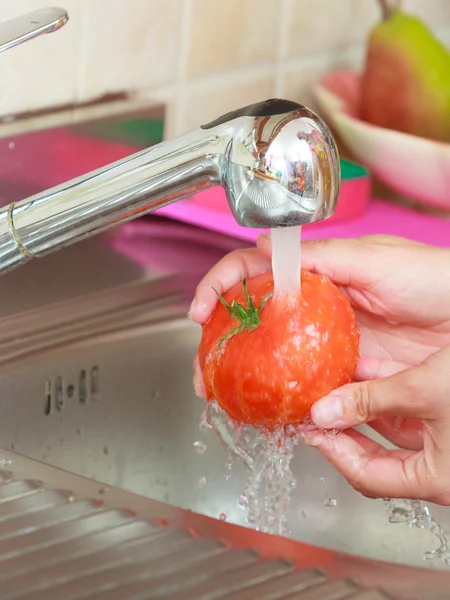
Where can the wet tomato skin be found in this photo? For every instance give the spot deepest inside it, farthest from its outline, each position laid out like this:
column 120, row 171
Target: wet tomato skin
column 305, row 346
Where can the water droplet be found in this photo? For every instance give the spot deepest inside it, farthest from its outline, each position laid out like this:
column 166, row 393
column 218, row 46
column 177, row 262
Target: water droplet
column 204, row 425
column 103, row 490
column 223, row 516
column 304, row 514
column 201, row 482
column 322, row 480
column 79, row 431
column 199, row 447
column 330, row 502
column 5, row 463
column 330, row 433
column 228, row 467
column 242, row 502
column 105, row 450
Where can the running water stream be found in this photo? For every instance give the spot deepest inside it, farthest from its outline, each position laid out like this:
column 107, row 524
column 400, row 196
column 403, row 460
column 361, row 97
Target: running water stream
column 286, row 259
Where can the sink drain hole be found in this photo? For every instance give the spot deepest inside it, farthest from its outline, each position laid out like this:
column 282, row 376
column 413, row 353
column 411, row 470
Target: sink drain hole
column 95, row 383
column 59, row 393
column 82, row 394
column 47, row 397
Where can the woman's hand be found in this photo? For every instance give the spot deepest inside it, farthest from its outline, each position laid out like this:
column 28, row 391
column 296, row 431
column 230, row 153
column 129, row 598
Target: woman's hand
column 400, row 291
column 420, row 393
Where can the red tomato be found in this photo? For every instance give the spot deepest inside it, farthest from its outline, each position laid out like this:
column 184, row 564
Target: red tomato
column 266, row 359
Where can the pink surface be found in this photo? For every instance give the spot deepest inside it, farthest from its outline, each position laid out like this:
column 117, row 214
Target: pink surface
column 136, row 239
column 62, row 155
column 380, row 218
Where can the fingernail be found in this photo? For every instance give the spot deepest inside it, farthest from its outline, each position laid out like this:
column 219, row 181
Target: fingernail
column 398, row 422
column 263, row 237
column 197, row 388
column 328, row 412
column 314, row 440
column 192, row 308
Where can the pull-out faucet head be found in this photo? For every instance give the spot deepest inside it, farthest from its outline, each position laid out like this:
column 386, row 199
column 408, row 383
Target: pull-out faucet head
column 281, row 165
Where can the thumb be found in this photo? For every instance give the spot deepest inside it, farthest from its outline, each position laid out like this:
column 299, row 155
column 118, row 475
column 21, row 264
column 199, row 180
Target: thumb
column 417, row 392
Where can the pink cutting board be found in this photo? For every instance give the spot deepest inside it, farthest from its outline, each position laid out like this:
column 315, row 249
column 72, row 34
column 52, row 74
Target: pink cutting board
column 380, row 217
column 135, row 239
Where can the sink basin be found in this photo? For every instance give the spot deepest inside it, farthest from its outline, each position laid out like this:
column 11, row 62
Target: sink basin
column 95, row 378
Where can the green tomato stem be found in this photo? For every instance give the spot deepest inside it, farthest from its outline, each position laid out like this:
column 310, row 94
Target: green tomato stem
column 248, row 317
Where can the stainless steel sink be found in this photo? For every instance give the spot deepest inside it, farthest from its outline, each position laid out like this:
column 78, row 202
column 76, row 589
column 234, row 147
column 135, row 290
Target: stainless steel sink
column 95, row 378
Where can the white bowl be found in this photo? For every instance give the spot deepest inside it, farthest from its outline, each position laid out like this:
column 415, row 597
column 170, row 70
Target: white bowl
column 414, row 167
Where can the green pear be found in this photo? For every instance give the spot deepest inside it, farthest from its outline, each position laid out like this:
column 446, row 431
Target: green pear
column 406, row 80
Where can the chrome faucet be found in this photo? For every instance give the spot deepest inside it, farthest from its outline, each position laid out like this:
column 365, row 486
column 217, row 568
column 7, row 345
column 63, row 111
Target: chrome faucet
column 29, row 26
column 277, row 161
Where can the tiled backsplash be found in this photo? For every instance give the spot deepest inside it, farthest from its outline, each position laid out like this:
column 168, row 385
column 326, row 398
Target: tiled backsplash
column 201, row 57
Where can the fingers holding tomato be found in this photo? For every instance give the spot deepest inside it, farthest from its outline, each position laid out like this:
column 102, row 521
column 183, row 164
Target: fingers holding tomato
column 229, row 271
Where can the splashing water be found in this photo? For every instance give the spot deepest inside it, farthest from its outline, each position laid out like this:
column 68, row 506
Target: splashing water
column 267, row 494
column 415, row 514
column 204, row 426
column 267, row 456
column 286, row 259
column 330, row 502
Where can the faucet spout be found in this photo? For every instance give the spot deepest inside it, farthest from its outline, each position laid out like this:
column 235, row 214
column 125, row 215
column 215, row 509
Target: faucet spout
column 276, row 160
column 31, row 25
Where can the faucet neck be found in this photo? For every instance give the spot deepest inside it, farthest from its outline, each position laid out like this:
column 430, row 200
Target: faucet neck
column 31, row 25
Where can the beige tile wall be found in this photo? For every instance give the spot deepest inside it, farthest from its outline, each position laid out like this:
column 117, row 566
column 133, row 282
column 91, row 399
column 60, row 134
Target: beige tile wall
column 202, row 57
